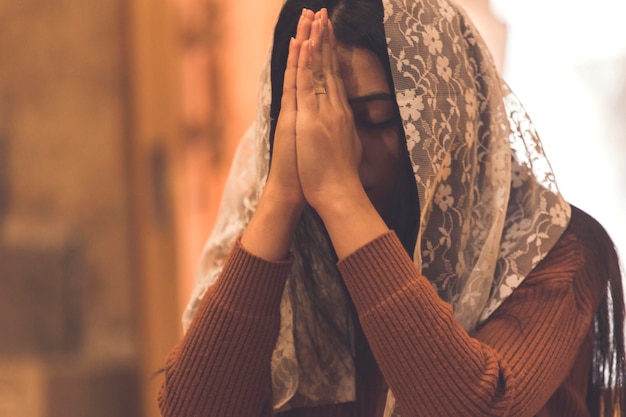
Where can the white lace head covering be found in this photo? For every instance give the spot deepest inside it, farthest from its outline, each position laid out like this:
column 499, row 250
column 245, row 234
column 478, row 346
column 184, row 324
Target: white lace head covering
column 490, row 208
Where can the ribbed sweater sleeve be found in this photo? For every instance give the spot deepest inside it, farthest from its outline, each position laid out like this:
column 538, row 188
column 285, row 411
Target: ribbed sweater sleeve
column 510, row 367
column 222, row 365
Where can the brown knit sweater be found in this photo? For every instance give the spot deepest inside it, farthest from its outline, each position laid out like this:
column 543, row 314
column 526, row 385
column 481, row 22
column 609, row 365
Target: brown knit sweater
column 532, row 356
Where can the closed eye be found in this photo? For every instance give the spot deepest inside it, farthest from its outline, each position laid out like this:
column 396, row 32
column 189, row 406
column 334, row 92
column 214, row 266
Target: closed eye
column 382, row 124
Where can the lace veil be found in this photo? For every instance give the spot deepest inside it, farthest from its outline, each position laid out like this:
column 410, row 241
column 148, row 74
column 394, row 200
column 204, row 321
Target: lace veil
column 490, row 207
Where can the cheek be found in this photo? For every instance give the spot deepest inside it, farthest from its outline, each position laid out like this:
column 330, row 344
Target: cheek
column 382, row 153
column 380, row 169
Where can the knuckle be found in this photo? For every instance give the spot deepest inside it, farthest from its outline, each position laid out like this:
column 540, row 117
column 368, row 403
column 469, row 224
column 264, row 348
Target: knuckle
column 318, row 77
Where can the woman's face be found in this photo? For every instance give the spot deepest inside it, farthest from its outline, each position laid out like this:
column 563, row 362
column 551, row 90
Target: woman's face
column 376, row 119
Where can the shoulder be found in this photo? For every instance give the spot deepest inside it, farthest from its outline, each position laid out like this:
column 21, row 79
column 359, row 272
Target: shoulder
column 585, row 254
column 594, row 243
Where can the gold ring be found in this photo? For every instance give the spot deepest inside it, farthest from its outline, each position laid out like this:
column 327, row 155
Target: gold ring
column 319, row 89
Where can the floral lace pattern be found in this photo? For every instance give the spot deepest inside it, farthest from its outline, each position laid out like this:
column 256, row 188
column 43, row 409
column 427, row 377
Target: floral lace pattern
column 490, row 206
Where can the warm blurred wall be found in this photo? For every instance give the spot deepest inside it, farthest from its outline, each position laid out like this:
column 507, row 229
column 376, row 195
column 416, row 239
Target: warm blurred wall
column 223, row 50
column 118, row 121
column 68, row 343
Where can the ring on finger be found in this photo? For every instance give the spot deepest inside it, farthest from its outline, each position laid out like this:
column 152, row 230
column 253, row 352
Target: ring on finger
column 319, row 89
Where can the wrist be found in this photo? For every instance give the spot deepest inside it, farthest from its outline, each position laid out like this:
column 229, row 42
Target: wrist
column 272, row 226
column 339, row 200
column 286, row 203
column 342, row 204
column 351, row 220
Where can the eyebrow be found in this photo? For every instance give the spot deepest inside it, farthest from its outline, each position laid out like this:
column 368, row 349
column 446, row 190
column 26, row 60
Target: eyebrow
column 371, row 97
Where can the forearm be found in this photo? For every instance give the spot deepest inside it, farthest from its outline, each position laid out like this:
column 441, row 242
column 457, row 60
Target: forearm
column 434, row 367
column 222, row 365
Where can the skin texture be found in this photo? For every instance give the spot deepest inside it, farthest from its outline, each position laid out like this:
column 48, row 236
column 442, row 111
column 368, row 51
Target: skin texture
column 336, row 151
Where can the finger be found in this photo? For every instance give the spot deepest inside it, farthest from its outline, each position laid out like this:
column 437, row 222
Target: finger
column 327, row 53
column 289, row 83
column 304, row 25
column 334, row 58
column 333, row 48
column 329, row 63
column 305, row 95
column 288, row 101
column 317, row 61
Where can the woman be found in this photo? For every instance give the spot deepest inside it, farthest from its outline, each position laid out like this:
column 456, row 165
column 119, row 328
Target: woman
column 330, row 293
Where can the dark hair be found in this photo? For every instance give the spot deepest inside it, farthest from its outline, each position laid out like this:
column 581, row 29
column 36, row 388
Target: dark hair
column 607, row 395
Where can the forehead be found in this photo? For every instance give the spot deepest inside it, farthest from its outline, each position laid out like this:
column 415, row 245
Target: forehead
column 361, row 71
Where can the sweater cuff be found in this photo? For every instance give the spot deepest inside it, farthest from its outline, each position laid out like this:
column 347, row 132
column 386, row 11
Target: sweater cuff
column 252, row 285
column 382, row 257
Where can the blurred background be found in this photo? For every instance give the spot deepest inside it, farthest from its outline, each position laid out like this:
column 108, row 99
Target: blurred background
column 118, row 121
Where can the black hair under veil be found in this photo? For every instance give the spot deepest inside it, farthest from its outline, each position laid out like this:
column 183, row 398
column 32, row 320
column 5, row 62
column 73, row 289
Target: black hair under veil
column 359, row 23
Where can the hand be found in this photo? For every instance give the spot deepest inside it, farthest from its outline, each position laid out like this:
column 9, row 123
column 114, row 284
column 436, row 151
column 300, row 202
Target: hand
column 272, row 226
column 328, row 147
column 283, row 182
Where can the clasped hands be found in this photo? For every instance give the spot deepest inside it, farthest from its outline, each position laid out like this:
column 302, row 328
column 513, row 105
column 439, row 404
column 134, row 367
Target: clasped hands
column 317, row 151
column 316, row 154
